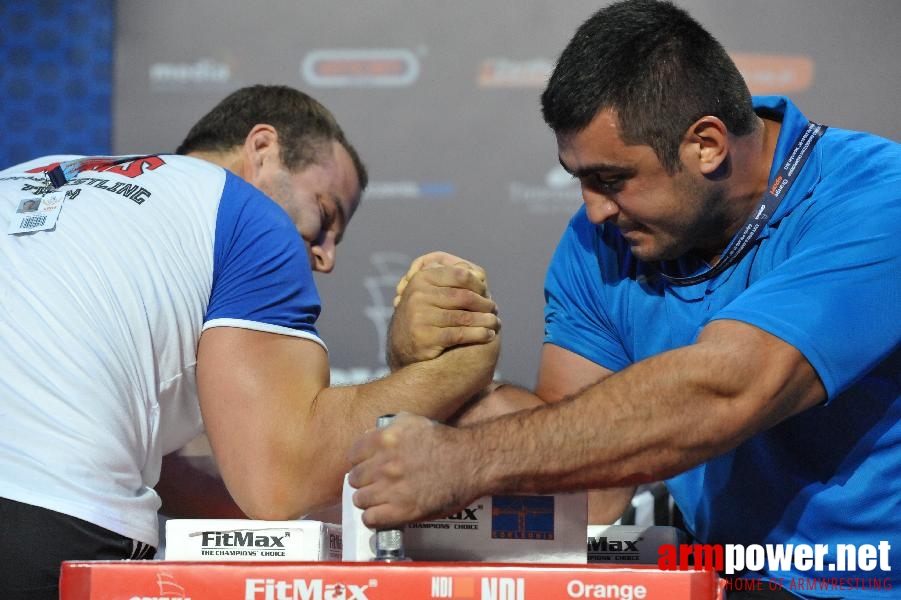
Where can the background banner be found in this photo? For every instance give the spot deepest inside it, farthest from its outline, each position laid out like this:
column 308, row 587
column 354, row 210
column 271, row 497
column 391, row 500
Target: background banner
column 442, row 100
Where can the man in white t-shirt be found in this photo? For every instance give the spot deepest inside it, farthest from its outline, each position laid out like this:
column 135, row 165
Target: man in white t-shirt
column 147, row 298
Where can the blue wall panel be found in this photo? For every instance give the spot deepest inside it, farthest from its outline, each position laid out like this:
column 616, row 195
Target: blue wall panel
column 55, row 78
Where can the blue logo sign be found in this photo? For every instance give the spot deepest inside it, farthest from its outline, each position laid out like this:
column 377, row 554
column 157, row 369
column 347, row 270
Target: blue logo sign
column 522, row 517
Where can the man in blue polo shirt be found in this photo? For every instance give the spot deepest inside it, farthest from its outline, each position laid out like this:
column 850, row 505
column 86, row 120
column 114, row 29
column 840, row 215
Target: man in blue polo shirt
column 720, row 314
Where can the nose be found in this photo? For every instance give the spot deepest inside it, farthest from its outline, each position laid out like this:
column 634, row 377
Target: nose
column 599, row 207
column 323, row 255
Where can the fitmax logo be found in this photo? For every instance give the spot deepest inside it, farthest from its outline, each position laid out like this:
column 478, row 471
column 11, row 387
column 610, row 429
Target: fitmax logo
column 602, row 544
column 238, row 539
column 302, row 589
column 467, row 514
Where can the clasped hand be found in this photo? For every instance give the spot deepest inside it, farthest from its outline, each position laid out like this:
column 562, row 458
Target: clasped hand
column 442, row 302
column 409, row 472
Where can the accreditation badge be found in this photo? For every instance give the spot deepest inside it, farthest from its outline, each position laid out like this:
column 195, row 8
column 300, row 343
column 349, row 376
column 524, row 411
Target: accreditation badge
column 39, row 213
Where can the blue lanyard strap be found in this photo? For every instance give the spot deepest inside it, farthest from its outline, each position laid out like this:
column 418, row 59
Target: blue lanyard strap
column 750, row 231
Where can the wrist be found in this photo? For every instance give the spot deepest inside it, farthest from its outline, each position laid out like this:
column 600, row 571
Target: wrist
column 465, row 448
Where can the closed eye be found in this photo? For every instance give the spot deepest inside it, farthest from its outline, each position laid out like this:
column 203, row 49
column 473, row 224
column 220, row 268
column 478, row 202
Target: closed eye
column 332, row 216
column 604, row 184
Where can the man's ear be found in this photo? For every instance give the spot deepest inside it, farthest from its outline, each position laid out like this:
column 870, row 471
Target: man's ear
column 706, row 144
column 260, row 145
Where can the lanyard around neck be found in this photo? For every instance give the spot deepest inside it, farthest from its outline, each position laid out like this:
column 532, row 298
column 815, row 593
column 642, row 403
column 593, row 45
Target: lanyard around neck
column 752, row 228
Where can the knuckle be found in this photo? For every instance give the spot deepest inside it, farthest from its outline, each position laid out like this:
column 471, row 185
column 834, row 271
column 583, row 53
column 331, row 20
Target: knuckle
column 462, row 275
column 464, row 318
column 448, row 337
column 454, row 295
column 458, row 336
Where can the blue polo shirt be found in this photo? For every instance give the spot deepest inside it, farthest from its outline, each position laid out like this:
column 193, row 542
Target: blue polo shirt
column 825, row 276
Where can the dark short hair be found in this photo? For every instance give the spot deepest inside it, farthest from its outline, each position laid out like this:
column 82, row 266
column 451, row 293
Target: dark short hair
column 305, row 127
column 656, row 68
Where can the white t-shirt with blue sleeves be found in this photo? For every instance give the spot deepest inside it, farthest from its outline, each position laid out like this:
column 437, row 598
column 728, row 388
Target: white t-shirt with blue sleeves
column 102, row 314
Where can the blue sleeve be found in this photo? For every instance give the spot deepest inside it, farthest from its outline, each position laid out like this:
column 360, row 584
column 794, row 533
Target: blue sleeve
column 836, row 295
column 261, row 271
column 576, row 316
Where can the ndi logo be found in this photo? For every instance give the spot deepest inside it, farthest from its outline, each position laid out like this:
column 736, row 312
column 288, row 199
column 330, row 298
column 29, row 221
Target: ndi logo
column 503, row 588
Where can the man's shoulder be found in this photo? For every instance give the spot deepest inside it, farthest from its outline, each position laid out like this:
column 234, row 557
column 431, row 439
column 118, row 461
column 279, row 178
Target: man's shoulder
column 852, row 152
column 860, row 171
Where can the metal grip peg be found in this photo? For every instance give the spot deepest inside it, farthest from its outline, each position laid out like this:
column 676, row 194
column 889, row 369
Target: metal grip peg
column 389, row 543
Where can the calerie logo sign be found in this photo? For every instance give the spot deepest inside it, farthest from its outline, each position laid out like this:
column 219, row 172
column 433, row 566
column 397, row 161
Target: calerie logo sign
column 378, row 67
column 304, row 589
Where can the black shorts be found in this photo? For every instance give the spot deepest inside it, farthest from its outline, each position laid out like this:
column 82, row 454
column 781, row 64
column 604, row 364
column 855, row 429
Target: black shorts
column 35, row 541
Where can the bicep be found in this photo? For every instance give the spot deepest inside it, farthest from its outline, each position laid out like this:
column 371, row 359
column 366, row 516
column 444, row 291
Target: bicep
column 563, row 373
column 770, row 379
column 250, row 384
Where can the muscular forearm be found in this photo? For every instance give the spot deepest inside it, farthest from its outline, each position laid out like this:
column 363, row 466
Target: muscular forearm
column 657, row 418
column 339, row 415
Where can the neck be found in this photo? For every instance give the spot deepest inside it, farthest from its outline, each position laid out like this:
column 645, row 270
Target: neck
column 227, row 160
column 752, row 159
column 765, row 156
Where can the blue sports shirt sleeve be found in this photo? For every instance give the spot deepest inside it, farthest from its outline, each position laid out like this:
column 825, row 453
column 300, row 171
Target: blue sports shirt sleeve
column 261, row 271
column 575, row 317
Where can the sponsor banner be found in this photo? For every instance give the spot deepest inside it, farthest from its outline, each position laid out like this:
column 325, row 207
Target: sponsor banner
column 778, row 74
column 155, row 580
column 765, row 73
column 559, row 193
column 510, row 73
column 247, row 539
column 205, row 74
column 625, row 544
column 408, row 190
column 359, row 67
column 522, row 517
column 502, row 528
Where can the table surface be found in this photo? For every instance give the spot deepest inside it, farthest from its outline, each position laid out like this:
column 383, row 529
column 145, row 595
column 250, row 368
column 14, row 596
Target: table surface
column 159, row 580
